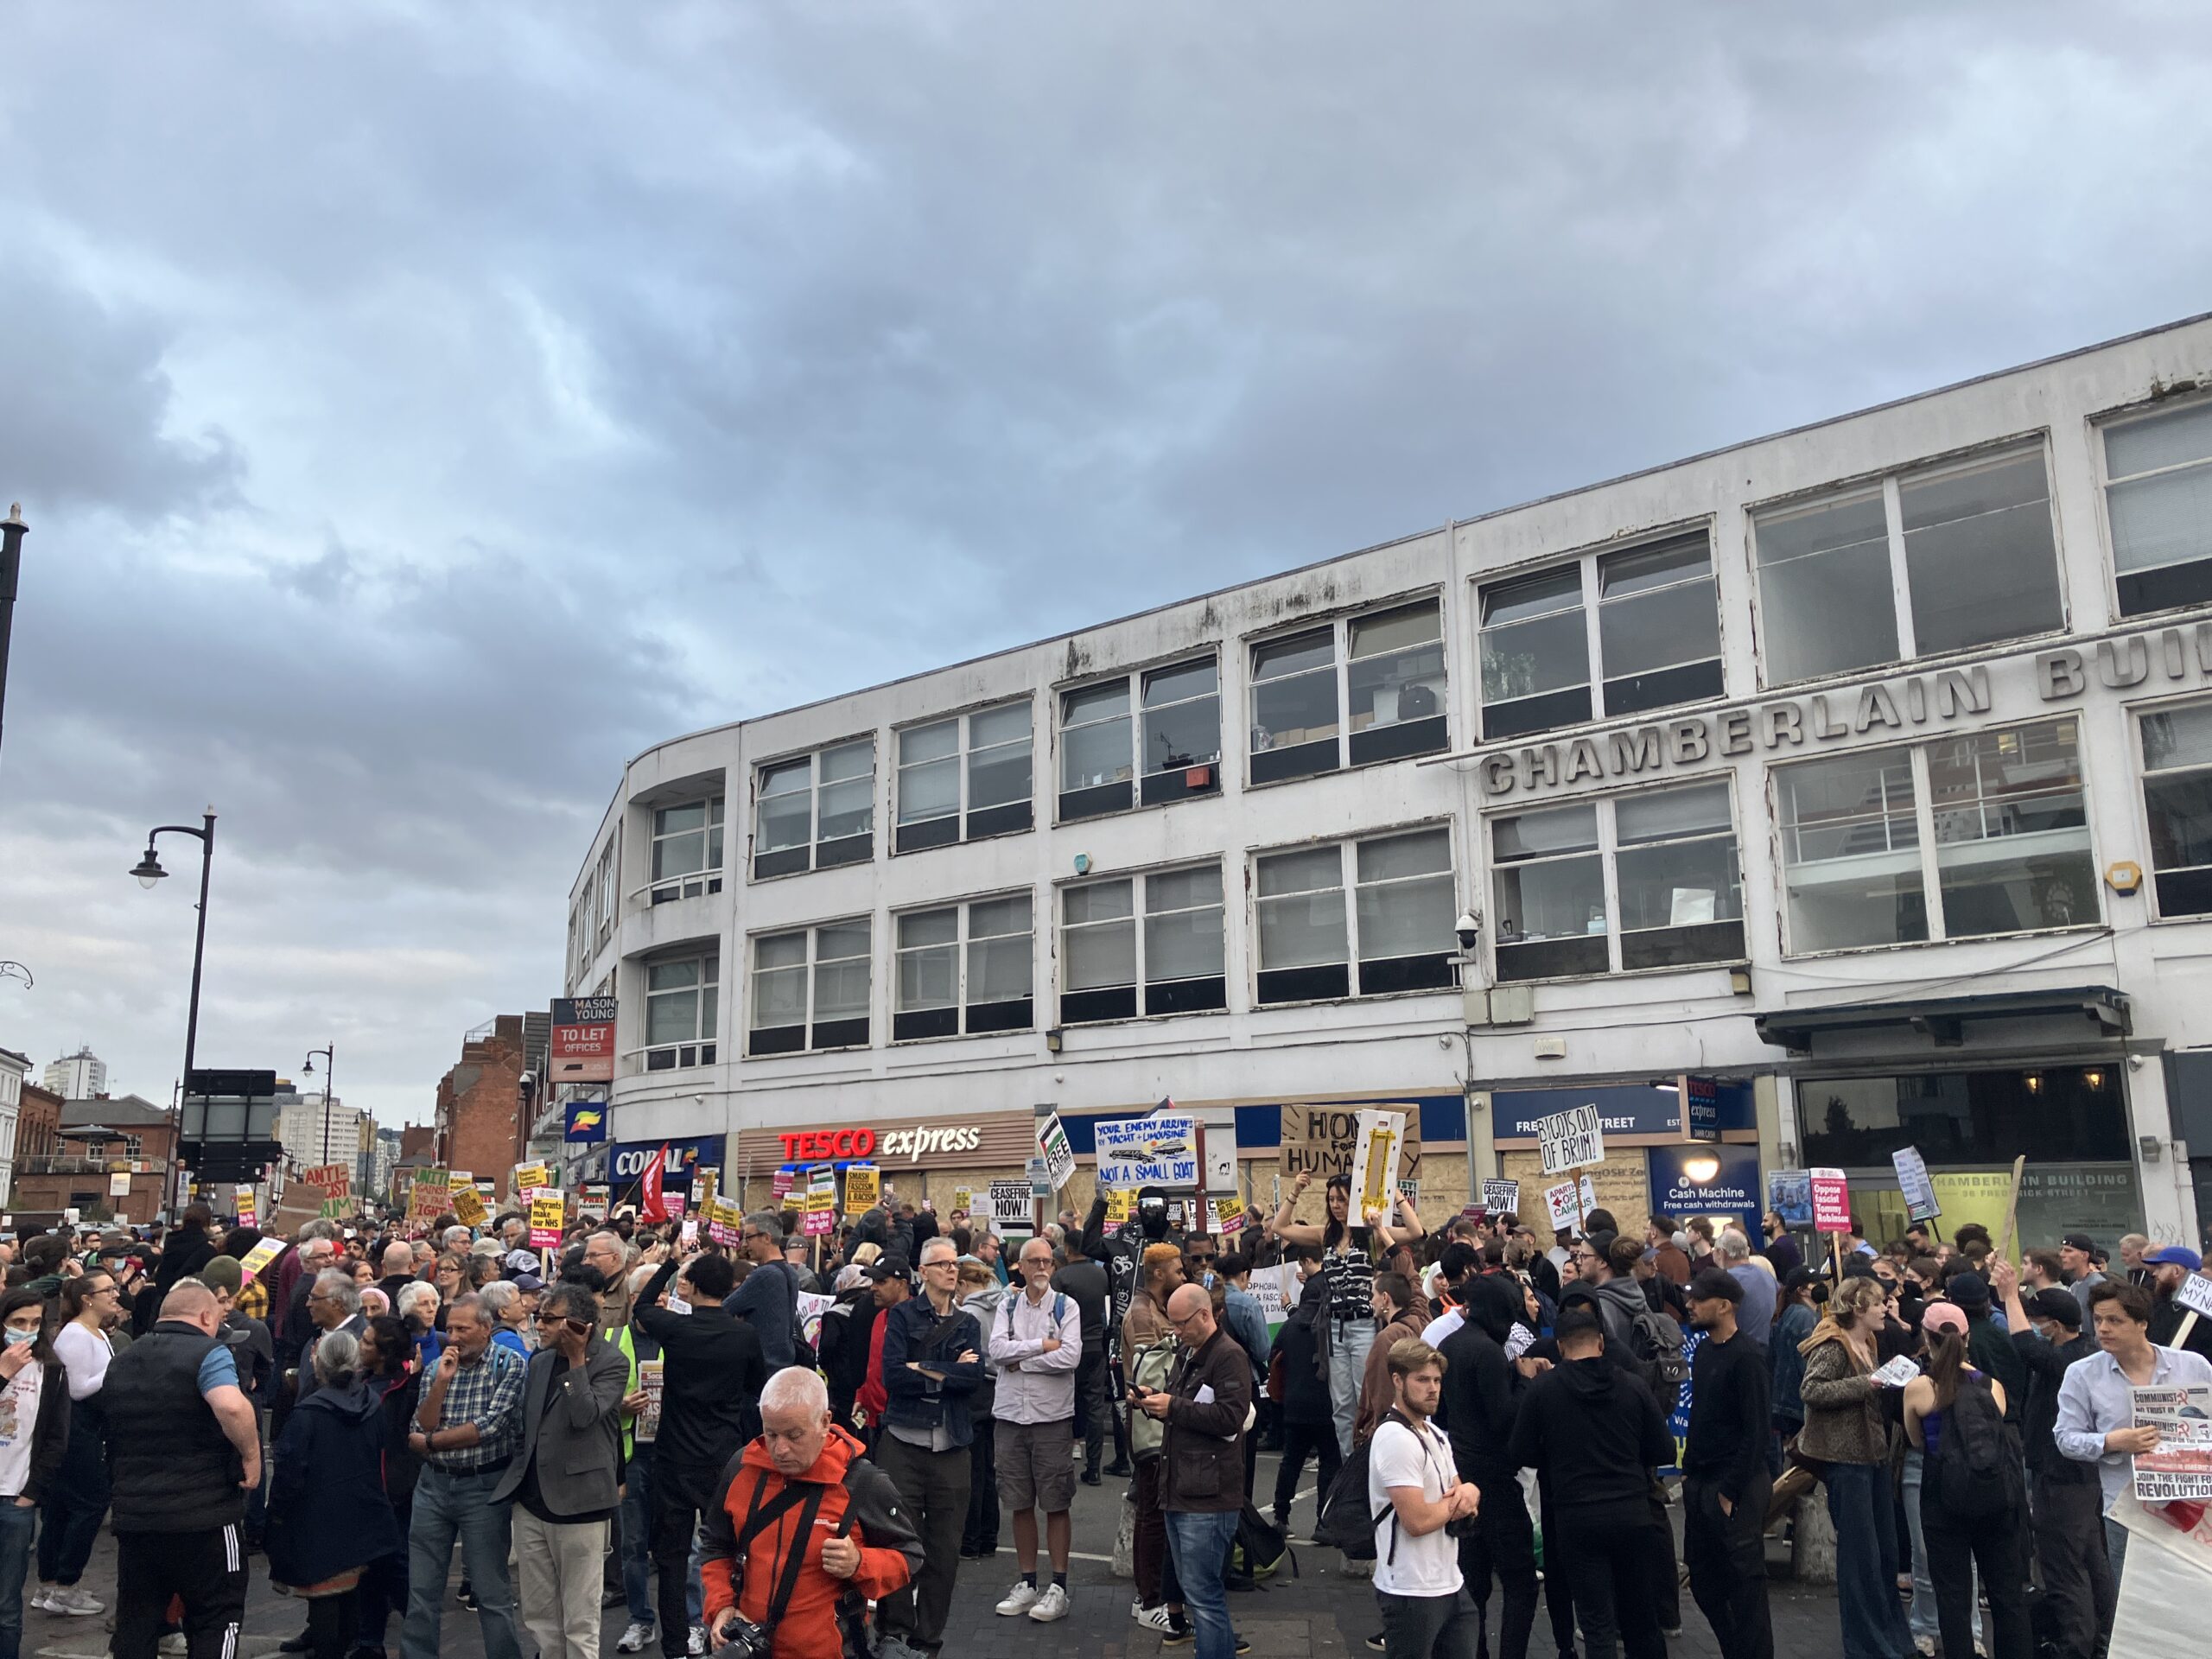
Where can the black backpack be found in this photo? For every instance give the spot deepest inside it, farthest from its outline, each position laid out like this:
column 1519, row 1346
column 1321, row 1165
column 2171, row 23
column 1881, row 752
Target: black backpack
column 1977, row 1464
column 1345, row 1522
column 1655, row 1341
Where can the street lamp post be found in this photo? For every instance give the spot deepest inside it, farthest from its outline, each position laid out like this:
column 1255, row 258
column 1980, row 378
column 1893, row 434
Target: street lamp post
column 12, row 530
column 149, row 872
column 329, row 1082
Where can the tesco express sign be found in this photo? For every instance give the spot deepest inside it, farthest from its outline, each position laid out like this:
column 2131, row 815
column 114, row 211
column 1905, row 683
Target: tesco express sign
column 802, row 1146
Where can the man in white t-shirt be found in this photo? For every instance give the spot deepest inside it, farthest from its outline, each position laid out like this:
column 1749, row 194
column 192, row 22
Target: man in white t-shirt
column 1414, row 1488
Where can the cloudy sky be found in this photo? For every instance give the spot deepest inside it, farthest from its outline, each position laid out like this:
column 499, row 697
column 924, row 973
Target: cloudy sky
column 419, row 409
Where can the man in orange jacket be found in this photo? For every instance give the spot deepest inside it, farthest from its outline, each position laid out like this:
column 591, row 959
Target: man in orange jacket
column 804, row 1532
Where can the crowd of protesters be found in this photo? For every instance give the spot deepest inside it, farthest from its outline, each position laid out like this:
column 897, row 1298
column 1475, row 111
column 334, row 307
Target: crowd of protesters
column 638, row 1419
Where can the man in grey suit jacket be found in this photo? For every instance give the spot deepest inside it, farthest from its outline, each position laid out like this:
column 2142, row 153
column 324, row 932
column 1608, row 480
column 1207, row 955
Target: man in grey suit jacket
column 564, row 1479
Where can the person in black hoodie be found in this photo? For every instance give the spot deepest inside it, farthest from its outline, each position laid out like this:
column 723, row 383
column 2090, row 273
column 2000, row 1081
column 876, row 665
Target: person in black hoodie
column 1308, row 1427
column 183, row 1254
column 1725, row 1481
column 1481, row 1400
column 329, row 1516
column 1596, row 1431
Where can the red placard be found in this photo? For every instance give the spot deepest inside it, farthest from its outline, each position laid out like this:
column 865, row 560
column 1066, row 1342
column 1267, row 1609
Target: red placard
column 1831, row 1201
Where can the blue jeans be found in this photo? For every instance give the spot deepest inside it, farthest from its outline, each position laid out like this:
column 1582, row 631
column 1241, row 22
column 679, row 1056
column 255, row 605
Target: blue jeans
column 1198, row 1542
column 447, row 1507
column 18, row 1527
column 1866, row 1562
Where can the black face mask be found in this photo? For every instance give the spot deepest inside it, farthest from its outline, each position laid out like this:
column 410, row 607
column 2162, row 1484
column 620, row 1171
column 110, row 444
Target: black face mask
column 1151, row 1221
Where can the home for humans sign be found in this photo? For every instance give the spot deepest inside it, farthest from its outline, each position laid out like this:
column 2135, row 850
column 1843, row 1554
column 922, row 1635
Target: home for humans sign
column 1325, row 1140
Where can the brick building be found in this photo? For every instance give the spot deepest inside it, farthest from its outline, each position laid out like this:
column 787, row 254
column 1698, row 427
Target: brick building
column 481, row 1125
column 82, row 1145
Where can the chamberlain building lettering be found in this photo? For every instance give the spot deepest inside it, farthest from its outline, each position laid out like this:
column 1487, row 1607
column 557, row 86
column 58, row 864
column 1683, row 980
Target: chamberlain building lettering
column 1908, row 702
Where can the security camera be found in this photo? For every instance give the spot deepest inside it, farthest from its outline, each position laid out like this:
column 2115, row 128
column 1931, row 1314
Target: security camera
column 1469, row 927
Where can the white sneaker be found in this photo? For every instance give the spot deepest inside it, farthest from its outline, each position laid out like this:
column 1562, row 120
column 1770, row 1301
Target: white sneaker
column 633, row 1639
column 696, row 1644
column 40, row 1598
column 76, row 1602
column 1019, row 1600
column 1053, row 1604
column 1155, row 1618
column 174, row 1642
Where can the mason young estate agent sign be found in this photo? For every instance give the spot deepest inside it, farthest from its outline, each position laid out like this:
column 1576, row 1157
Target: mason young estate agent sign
column 1899, row 706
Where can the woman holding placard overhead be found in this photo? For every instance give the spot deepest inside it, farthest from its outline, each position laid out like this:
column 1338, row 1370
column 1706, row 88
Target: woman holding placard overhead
column 1349, row 1250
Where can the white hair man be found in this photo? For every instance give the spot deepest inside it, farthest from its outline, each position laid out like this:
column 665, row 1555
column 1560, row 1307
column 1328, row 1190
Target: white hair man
column 333, row 1303
column 868, row 1542
column 1755, row 1313
column 1035, row 1344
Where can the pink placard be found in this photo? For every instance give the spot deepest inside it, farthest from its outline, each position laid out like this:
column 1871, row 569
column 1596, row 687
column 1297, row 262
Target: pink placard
column 1831, row 1201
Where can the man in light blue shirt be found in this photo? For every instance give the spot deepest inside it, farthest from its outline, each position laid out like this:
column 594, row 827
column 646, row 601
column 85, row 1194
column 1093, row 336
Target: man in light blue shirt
column 2097, row 1406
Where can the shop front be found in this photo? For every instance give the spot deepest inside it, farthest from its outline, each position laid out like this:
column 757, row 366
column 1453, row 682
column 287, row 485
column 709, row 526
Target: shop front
column 944, row 1160
column 1659, row 1159
column 627, row 1161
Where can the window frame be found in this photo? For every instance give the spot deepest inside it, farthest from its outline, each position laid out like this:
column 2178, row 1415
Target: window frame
column 1403, row 739
column 1346, row 848
column 703, row 1048
column 1607, row 850
column 1889, row 484
column 706, row 879
column 802, row 857
column 1176, row 997
column 2136, row 714
column 1004, row 818
column 2100, row 426
column 963, row 937
column 1931, row 873
column 1590, row 564
column 1143, row 788
column 843, row 1037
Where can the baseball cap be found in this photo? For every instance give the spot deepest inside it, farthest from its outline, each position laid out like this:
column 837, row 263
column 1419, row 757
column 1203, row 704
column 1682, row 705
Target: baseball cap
column 2056, row 1305
column 1944, row 1316
column 889, row 1267
column 2175, row 1255
column 2081, row 1242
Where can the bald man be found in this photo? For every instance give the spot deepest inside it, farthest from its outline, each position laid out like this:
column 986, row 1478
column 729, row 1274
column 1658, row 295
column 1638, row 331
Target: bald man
column 183, row 1451
column 1208, row 1396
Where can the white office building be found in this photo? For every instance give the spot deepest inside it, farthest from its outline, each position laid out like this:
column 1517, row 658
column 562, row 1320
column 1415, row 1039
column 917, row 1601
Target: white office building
column 1854, row 783
column 81, row 1076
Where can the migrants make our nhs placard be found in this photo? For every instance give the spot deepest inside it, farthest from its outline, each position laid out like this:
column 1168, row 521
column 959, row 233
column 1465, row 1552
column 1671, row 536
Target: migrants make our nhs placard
column 1161, row 1150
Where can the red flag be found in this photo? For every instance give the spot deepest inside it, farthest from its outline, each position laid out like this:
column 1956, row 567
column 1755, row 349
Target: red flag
column 650, row 1206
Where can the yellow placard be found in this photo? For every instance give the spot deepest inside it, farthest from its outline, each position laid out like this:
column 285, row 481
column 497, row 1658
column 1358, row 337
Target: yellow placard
column 469, row 1207
column 963, row 1199
column 1120, row 1202
column 548, row 1215
column 1228, row 1216
column 527, row 1177
column 863, row 1188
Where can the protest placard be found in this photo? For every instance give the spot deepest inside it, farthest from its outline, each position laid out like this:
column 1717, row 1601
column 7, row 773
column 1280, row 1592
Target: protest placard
column 547, row 1216
column 469, row 1207
column 1502, row 1197
column 1059, row 1157
column 529, row 1177
column 1571, row 1139
column 1161, row 1150
column 1121, row 1204
column 1010, row 1202
column 1831, row 1195
column 652, row 1374
column 1324, row 1140
column 1276, row 1290
column 821, row 1217
column 1375, row 1161
column 964, row 1201
column 1228, row 1217
column 2180, row 1467
column 779, row 1184
column 1569, row 1202
column 811, row 1307
column 863, row 1188
column 261, row 1256
column 1919, row 1191
column 427, row 1197
column 248, row 1207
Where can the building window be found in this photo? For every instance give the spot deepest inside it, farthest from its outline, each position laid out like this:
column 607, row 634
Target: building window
column 2006, row 848
column 1398, row 929
column 687, row 850
column 2177, row 800
column 980, row 981
column 2158, row 498
column 985, row 754
column 680, row 1012
column 1151, row 737
column 810, row 989
column 817, row 811
column 1111, row 968
column 1386, row 668
column 607, row 880
column 1939, row 559
column 1668, row 857
column 1658, row 638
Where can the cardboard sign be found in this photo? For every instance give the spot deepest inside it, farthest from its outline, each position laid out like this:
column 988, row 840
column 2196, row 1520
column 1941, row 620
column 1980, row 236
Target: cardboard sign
column 1375, row 1161
column 1919, row 1191
column 1326, row 1139
column 1502, row 1197
column 1831, row 1196
column 652, row 1374
column 1228, row 1217
column 2194, row 1293
column 337, row 1179
column 1009, row 1202
column 469, row 1207
column 2181, row 1464
column 547, row 1216
column 260, row 1257
column 1571, row 1139
column 1161, row 1150
column 431, row 1194
column 863, row 1188
column 1059, row 1157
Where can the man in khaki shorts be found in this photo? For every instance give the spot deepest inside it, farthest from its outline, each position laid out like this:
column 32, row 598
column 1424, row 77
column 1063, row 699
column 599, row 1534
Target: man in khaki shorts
column 1035, row 1343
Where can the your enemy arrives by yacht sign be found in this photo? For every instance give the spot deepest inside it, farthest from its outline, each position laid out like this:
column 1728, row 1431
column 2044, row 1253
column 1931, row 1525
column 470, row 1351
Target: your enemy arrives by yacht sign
column 1880, row 710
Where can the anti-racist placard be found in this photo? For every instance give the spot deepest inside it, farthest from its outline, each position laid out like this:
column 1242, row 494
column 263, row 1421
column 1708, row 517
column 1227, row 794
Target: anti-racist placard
column 260, row 1257
column 821, row 1217
column 863, row 1188
column 469, row 1207
column 1228, row 1217
column 1831, row 1201
column 530, row 1176
column 1571, row 1139
column 1919, row 1191
column 547, row 1216
column 1121, row 1204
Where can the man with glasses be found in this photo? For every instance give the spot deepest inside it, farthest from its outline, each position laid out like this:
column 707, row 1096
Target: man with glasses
column 1199, row 1252
column 1036, row 1344
column 768, row 1299
column 564, row 1477
column 605, row 1254
column 335, row 1304
column 1203, row 1407
column 465, row 1427
column 933, row 1363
